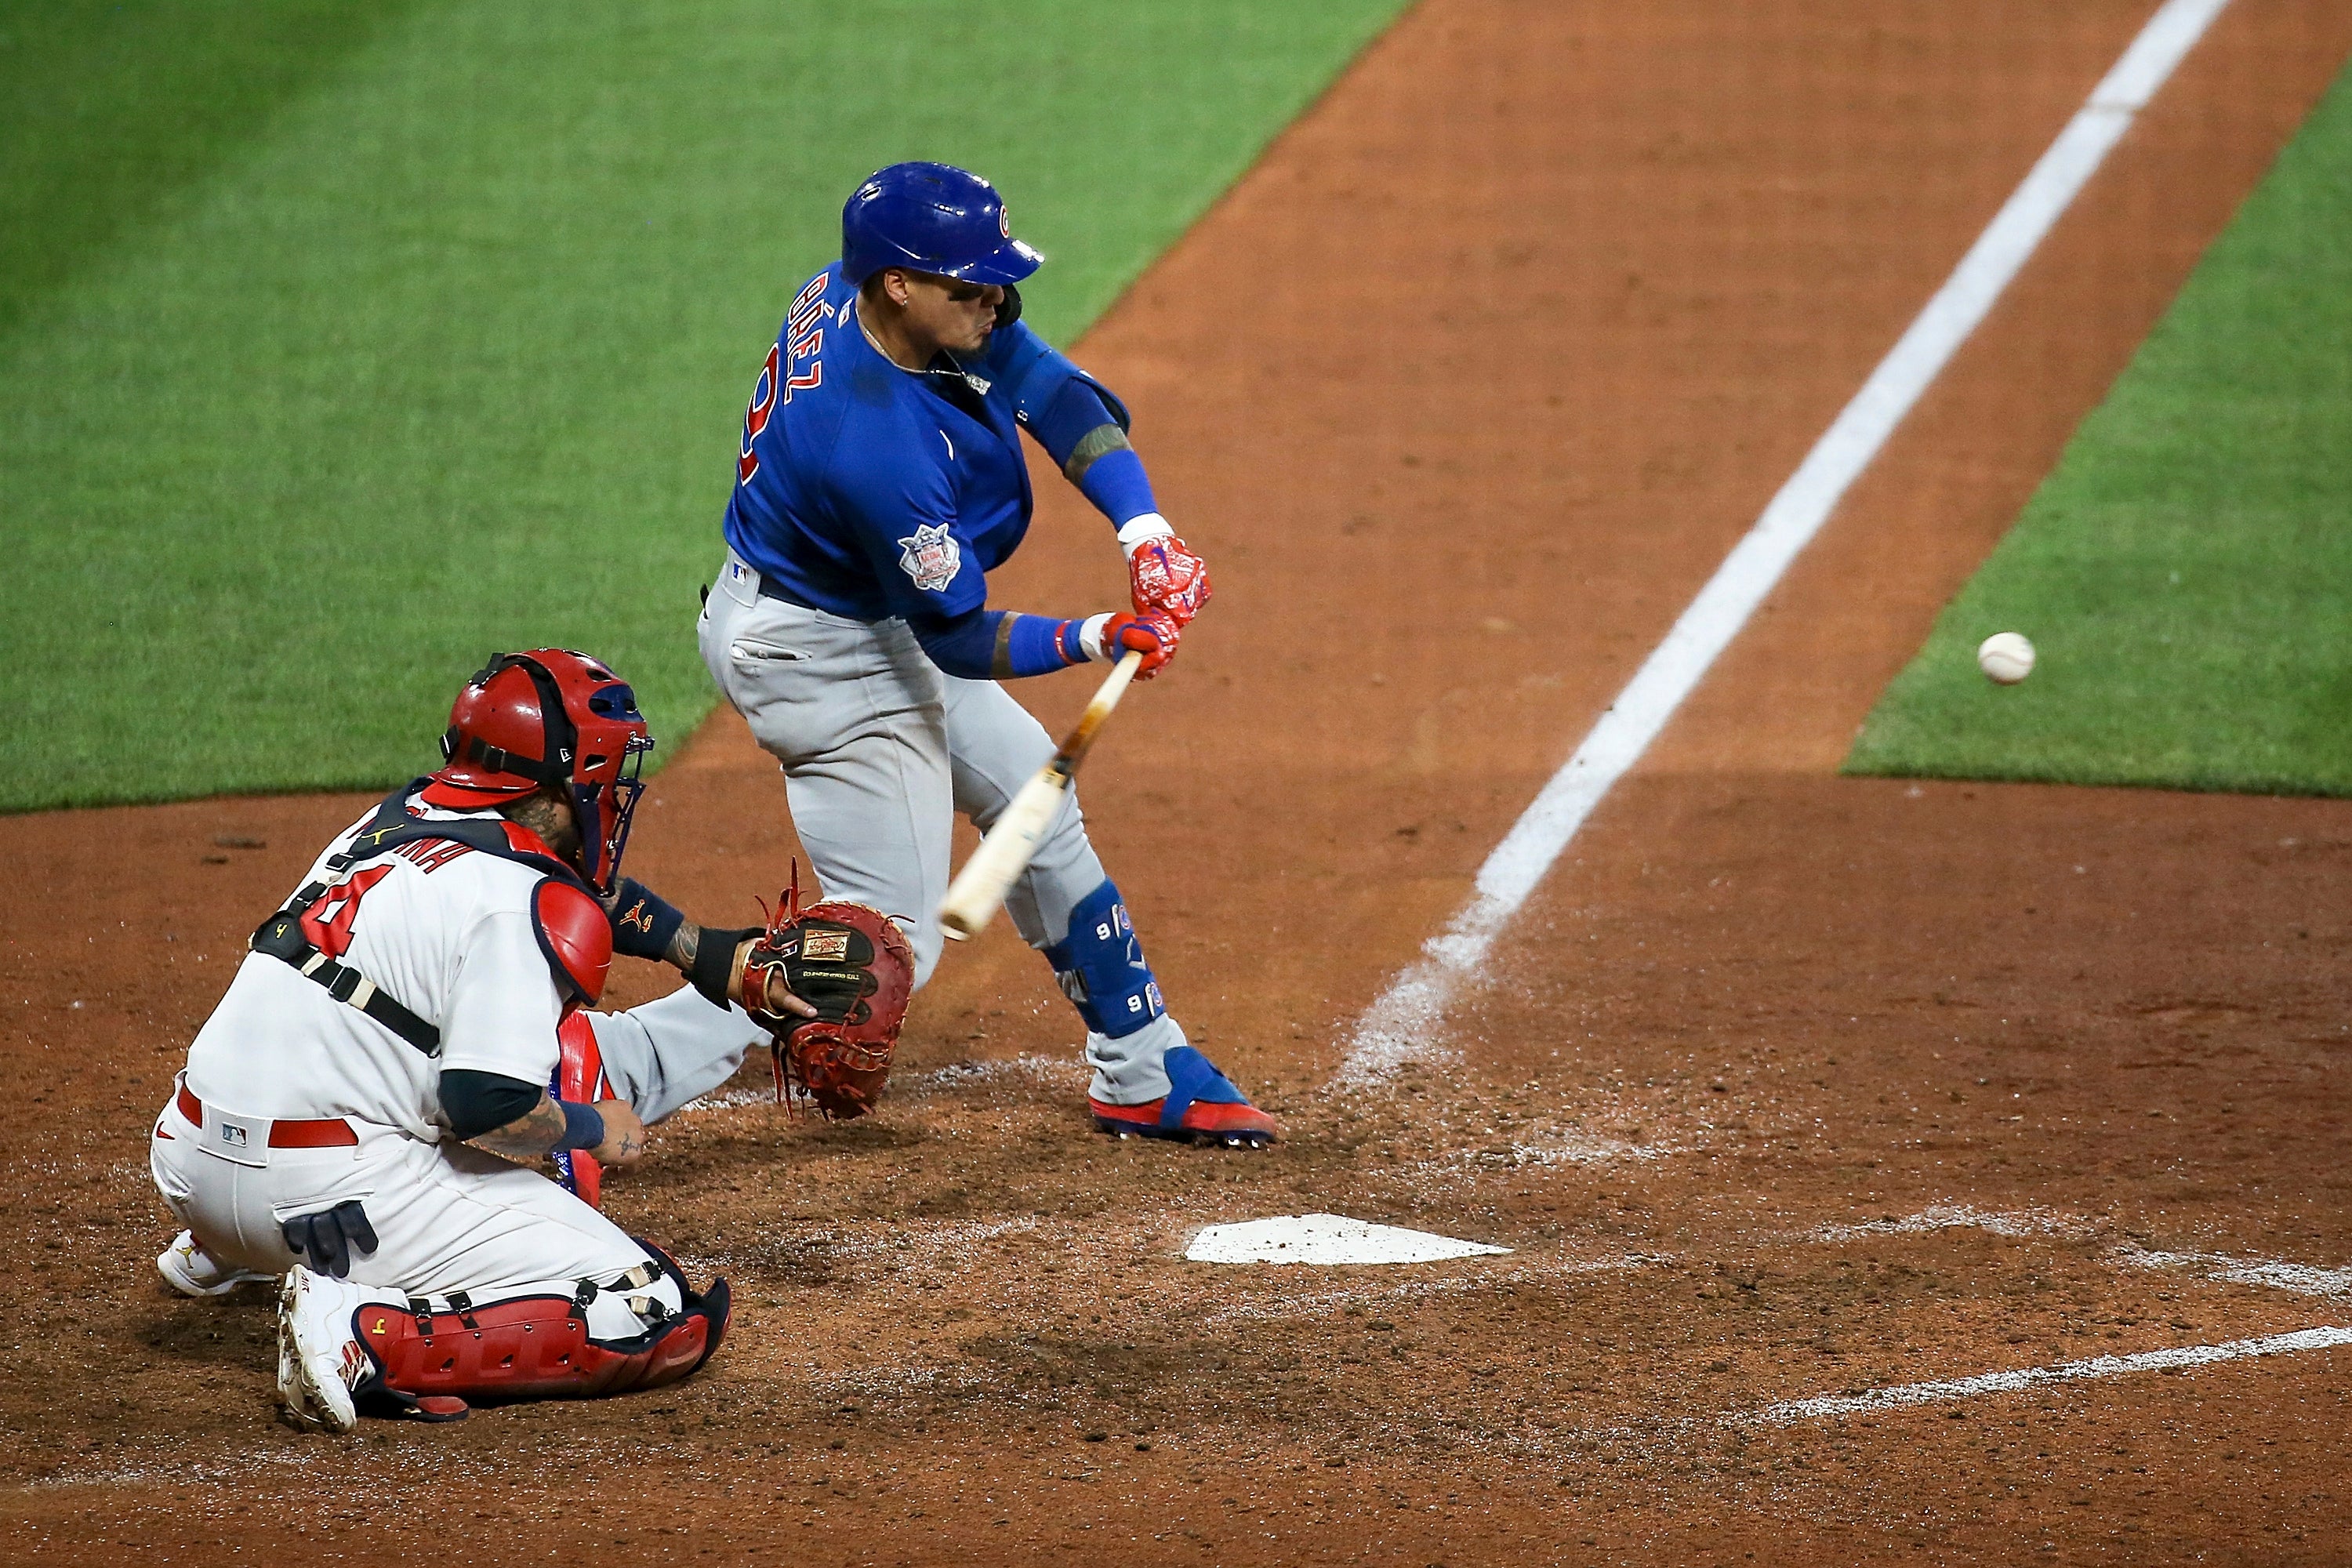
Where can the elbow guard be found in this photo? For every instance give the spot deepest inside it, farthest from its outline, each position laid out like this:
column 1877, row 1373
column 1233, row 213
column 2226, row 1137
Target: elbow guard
column 1035, row 374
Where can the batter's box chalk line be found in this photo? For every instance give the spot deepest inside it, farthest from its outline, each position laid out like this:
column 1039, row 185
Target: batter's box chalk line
column 1029, row 1066
column 1561, row 1149
column 1327, row 1239
column 1958, row 1217
column 1290, row 1299
column 2299, row 1279
column 1791, row 1411
column 1404, row 1023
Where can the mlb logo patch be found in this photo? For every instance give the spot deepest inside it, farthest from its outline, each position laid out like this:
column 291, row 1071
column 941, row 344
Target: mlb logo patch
column 232, row 1135
column 826, row 946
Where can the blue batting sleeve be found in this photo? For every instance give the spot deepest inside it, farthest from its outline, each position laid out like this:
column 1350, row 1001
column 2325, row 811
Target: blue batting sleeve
column 961, row 645
column 998, row 644
column 1118, row 486
column 1040, row 645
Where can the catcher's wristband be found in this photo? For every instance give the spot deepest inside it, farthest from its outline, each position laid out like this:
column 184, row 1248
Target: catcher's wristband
column 714, row 961
column 583, row 1125
column 644, row 922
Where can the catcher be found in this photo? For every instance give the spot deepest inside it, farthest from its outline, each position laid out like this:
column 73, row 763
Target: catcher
column 414, row 1020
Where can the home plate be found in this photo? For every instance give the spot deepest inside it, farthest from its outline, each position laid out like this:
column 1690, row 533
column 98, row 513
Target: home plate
column 1325, row 1238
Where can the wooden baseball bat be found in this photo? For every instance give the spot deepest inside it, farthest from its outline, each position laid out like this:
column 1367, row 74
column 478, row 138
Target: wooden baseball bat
column 979, row 890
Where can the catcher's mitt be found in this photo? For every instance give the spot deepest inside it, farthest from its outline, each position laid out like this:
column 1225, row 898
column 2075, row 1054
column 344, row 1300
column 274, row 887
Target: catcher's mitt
column 857, row 968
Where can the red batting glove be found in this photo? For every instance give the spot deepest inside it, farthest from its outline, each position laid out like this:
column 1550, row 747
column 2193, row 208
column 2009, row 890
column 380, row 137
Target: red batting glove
column 1168, row 579
column 1153, row 635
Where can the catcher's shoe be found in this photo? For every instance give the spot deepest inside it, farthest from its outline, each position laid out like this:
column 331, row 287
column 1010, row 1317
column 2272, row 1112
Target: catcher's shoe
column 1201, row 1106
column 188, row 1268
column 319, row 1358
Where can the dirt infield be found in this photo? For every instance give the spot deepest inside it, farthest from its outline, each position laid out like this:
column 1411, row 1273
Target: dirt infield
column 1783, row 1086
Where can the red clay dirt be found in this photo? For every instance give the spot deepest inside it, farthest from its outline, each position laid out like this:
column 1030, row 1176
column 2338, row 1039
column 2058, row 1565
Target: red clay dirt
column 1783, row 1085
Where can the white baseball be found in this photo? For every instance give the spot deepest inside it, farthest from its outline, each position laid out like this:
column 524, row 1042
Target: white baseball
column 2006, row 657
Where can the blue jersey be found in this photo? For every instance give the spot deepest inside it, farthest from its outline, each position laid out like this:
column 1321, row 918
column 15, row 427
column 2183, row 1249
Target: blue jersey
column 870, row 491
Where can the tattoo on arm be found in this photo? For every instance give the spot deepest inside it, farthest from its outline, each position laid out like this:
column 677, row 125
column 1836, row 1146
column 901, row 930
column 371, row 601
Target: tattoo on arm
column 683, row 946
column 630, row 1145
column 1000, row 660
column 1098, row 442
column 527, row 1136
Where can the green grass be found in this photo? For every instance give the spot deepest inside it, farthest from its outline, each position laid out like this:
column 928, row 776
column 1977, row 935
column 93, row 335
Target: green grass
column 340, row 345
column 2185, row 572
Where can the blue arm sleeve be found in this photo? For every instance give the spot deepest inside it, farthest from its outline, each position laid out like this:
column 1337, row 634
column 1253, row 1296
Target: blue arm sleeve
column 1118, row 486
column 998, row 644
column 960, row 644
column 475, row 1102
column 1077, row 412
column 1080, row 432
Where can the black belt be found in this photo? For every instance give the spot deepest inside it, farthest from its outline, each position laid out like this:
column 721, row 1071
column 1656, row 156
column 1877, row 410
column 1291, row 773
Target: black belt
column 769, row 590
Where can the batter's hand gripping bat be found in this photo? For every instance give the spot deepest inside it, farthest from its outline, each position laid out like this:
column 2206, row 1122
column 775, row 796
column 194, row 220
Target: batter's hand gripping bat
column 979, row 887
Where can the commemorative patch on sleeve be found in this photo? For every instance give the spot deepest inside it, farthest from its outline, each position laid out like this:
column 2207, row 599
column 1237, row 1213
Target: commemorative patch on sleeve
column 931, row 557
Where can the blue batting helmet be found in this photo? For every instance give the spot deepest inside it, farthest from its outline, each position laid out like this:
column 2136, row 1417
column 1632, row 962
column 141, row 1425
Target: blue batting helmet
column 932, row 217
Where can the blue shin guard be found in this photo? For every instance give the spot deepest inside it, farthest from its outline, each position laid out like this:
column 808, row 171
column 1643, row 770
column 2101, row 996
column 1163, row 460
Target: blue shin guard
column 1100, row 966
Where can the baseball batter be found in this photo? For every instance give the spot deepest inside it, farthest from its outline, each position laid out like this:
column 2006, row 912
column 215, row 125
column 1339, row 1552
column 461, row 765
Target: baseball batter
column 879, row 479
column 350, row 1114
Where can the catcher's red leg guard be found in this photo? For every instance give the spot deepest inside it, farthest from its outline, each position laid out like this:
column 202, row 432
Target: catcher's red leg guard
column 580, row 1077
column 428, row 1363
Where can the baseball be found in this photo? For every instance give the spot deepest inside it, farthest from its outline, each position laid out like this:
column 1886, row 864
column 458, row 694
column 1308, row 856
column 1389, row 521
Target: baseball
column 2006, row 657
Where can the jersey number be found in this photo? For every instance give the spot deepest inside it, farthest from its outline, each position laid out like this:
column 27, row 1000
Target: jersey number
column 798, row 344
column 327, row 924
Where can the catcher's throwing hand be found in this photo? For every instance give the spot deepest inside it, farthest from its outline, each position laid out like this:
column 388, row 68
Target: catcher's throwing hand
column 624, row 1133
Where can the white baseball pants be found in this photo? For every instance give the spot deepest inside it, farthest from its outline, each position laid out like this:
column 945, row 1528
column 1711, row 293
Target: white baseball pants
column 448, row 1217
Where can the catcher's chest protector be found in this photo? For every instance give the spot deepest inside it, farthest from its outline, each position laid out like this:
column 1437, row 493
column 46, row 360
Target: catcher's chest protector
column 531, row 1347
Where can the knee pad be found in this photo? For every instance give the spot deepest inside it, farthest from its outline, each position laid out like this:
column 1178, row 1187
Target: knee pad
column 1100, row 966
column 539, row 1346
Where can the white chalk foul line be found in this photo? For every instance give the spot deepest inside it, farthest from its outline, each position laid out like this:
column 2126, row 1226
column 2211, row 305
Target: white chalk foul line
column 1795, row 1410
column 1405, row 1018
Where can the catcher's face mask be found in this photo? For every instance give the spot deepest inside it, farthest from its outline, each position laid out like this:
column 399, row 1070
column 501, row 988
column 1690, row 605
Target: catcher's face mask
column 605, row 789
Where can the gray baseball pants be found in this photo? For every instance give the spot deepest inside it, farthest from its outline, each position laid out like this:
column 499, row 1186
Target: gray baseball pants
column 880, row 749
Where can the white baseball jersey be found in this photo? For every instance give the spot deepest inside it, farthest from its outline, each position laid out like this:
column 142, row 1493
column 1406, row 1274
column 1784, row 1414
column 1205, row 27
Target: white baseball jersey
column 448, row 932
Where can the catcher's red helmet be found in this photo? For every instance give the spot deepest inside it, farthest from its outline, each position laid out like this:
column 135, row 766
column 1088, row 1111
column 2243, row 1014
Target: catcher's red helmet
column 548, row 717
